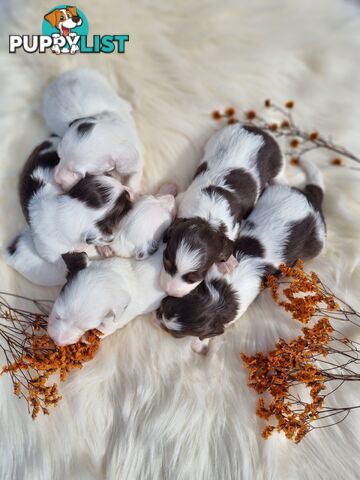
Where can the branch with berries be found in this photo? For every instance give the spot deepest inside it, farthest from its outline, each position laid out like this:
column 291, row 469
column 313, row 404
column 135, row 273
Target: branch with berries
column 299, row 142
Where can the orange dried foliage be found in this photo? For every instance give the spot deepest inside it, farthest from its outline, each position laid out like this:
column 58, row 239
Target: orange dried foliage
column 292, row 363
column 42, row 360
column 336, row 161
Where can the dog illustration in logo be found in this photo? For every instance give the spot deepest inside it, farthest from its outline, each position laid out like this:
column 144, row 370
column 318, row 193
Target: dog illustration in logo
column 64, row 19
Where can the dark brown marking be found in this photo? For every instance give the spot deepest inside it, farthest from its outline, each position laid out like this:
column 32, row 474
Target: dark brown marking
column 28, row 185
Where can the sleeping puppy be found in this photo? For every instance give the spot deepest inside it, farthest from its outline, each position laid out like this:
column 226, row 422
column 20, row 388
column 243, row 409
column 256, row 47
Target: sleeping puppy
column 286, row 224
column 87, row 215
column 21, row 255
column 105, row 294
column 138, row 235
column 140, row 232
column 97, row 129
column 237, row 164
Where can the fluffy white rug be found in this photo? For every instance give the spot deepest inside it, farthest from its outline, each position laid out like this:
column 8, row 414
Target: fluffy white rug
column 147, row 407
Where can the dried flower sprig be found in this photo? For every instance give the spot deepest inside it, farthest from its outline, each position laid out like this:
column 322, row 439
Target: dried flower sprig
column 32, row 358
column 299, row 141
column 297, row 378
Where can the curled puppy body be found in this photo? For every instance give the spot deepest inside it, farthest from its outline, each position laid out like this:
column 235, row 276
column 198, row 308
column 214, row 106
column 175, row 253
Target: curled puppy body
column 61, row 223
column 140, row 232
column 238, row 162
column 286, row 224
column 97, row 129
column 21, row 255
column 105, row 294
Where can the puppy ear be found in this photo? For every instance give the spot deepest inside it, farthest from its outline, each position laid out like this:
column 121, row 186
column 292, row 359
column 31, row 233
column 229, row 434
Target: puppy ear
column 75, row 262
column 52, row 18
column 226, row 248
column 72, row 10
column 168, row 232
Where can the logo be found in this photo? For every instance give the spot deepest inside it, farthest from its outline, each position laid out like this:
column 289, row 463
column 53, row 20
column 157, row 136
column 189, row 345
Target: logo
column 65, row 29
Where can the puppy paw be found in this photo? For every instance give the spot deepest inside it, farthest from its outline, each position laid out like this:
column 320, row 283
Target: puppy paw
column 228, row 266
column 105, row 251
column 200, row 346
column 168, row 188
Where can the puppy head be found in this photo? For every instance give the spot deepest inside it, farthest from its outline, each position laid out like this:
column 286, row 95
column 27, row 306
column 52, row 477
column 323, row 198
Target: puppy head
column 91, row 146
column 193, row 246
column 68, row 17
column 146, row 223
column 86, row 301
column 202, row 313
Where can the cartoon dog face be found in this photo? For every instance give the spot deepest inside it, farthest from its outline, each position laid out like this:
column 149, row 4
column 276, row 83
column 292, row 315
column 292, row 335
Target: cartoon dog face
column 64, row 19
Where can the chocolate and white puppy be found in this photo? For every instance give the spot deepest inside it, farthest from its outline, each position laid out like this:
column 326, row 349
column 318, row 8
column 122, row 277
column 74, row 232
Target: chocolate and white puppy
column 65, row 222
column 238, row 162
column 97, row 129
column 286, row 224
column 105, row 294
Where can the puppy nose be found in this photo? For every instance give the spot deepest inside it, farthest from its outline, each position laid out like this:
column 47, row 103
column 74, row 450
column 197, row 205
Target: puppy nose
column 76, row 19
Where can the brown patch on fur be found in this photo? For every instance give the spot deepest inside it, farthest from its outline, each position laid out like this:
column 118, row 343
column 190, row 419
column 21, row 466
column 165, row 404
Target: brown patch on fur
column 121, row 207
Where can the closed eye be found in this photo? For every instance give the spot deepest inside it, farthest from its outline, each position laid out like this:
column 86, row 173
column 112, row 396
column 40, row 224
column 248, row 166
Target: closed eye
column 167, row 264
column 192, row 277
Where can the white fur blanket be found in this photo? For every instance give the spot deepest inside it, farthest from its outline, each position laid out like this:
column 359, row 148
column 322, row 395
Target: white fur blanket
column 147, row 408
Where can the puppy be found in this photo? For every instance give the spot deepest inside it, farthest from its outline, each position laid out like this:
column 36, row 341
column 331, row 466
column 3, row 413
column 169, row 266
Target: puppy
column 140, row 232
column 23, row 257
column 104, row 294
column 87, row 215
column 238, row 162
column 286, row 224
column 97, row 129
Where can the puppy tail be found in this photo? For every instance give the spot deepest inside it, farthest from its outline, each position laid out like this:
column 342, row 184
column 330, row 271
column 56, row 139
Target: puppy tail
column 314, row 183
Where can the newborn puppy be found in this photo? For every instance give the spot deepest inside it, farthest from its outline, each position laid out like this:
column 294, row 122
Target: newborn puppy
column 140, row 232
column 97, row 129
column 61, row 223
column 104, row 294
column 286, row 224
column 238, row 162
column 21, row 255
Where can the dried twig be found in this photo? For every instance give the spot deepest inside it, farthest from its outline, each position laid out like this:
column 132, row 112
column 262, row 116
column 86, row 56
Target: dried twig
column 298, row 378
column 31, row 356
column 299, row 141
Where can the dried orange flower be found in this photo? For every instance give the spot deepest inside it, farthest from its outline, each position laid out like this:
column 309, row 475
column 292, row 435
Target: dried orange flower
column 336, row 161
column 313, row 135
column 285, row 124
column 216, row 115
column 232, row 121
column 267, row 103
column 294, row 143
column 294, row 161
column 250, row 114
column 273, row 127
column 290, row 104
column 230, row 112
column 278, row 374
column 40, row 359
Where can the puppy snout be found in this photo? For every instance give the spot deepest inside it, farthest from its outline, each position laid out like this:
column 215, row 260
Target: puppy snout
column 76, row 19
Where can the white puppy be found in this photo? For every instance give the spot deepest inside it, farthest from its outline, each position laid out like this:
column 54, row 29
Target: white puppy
column 140, row 232
column 21, row 255
column 86, row 215
column 94, row 211
column 105, row 294
column 98, row 130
